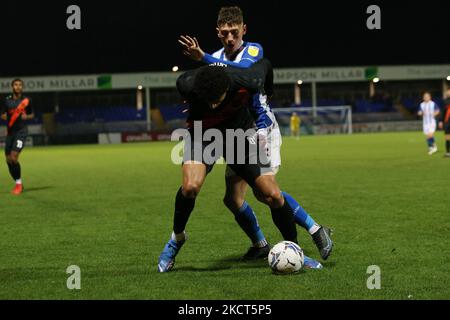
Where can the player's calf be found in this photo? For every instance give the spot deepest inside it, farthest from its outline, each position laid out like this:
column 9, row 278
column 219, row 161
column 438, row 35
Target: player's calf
column 234, row 200
column 321, row 235
column 267, row 191
column 14, row 168
column 246, row 219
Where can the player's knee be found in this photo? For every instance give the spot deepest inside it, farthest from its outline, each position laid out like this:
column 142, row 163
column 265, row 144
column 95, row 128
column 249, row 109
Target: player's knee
column 275, row 198
column 191, row 189
column 14, row 159
column 10, row 159
column 272, row 197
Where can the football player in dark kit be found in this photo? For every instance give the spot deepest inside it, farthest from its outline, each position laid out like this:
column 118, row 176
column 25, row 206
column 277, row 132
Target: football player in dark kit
column 444, row 123
column 219, row 97
column 16, row 109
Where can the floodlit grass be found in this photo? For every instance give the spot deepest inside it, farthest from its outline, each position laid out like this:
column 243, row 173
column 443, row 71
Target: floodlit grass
column 109, row 209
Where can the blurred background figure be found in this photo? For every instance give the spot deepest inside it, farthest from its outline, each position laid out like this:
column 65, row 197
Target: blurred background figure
column 295, row 125
column 444, row 123
column 428, row 110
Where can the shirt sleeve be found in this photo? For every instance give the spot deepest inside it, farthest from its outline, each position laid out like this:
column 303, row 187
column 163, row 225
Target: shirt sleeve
column 252, row 54
column 437, row 108
column 444, row 110
column 30, row 108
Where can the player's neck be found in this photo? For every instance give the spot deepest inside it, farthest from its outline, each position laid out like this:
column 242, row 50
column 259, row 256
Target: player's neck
column 17, row 96
column 231, row 54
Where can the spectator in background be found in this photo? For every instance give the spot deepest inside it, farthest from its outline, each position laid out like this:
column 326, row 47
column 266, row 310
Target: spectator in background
column 428, row 110
column 295, row 125
column 444, row 122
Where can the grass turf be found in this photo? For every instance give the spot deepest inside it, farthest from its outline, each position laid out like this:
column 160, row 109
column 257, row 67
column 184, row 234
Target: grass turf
column 108, row 209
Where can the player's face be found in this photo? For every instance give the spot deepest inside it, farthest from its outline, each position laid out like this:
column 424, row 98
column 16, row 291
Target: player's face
column 231, row 36
column 426, row 97
column 17, row 87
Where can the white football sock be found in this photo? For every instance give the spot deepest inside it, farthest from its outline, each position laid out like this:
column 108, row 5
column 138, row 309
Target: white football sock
column 19, row 181
column 178, row 237
column 314, row 229
column 260, row 244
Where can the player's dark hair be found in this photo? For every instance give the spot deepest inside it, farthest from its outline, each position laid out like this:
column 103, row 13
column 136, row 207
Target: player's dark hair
column 16, row 80
column 211, row 82
column 230, row 15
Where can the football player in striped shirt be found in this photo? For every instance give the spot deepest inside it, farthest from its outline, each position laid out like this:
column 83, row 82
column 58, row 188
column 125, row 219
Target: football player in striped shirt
column 429, row 110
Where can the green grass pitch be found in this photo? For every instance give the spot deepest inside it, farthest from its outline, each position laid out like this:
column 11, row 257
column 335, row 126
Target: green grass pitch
column 108, row 209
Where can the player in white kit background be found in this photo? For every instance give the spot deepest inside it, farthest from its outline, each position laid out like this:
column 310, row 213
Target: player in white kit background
column 429, row 110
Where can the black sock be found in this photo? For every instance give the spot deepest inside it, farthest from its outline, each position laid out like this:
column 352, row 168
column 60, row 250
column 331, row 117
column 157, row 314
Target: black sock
column 183, row 209
column 14, row 170
column 10, row 168
column 283, row 218
column 447, row 145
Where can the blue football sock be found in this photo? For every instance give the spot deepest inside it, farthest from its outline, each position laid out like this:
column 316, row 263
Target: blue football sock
column 430, row 142
column 246, row 219
column 302, row 218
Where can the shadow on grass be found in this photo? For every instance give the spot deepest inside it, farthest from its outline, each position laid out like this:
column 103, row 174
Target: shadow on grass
column 27, row 190
column 329, row 264
column 236, row 262
column 37, row 189
column 227, row 263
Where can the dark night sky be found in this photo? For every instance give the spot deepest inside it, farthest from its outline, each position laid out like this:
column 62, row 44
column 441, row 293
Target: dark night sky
column 134, row 36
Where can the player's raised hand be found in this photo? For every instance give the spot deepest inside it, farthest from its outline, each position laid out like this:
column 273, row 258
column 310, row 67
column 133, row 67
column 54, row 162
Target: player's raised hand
column 191, row 48
column 185, row 43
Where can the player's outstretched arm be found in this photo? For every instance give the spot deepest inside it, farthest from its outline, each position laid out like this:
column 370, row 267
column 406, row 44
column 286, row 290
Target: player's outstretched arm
column 251, row 55
column 191, row 49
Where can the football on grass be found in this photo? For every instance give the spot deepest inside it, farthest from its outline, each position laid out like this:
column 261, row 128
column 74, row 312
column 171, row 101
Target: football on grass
column 286, row 257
